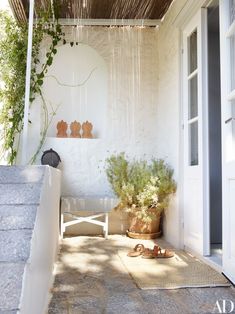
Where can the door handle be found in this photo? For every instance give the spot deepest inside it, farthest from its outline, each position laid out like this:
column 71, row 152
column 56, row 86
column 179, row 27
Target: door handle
column 229, row 120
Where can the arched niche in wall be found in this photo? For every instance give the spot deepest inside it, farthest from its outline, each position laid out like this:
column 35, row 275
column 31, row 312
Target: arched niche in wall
column 76, row 87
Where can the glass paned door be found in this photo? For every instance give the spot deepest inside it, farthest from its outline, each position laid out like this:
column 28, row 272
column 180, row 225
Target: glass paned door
column 193, row 99
column 195, row 149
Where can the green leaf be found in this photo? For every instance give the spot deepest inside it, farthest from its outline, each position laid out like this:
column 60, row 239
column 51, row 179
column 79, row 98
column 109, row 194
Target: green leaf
column 58, row 28
column 49, row 60
column 40, row 82
column 40, row 75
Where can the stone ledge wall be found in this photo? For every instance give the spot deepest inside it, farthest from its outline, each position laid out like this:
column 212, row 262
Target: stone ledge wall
column 29, row 234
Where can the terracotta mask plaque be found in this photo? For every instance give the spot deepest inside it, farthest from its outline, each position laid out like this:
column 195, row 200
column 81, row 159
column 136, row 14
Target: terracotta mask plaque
column 62, row 127
column 75, row 128
column 87, row 128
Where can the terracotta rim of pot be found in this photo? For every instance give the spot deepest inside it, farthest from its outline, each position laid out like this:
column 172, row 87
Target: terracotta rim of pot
column 143, row 236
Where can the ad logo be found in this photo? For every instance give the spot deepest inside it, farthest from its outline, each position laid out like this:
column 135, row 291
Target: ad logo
column 224, row 306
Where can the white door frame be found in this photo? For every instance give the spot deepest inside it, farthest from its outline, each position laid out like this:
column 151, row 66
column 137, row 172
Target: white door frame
column 205, row 146
column 205, row 123
column 227, row 31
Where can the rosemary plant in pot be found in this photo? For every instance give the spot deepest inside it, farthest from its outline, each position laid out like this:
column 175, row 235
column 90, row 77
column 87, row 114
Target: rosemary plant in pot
column 143, row 189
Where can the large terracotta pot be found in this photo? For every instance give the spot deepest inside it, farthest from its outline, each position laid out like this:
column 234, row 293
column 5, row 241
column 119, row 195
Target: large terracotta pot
column 144, row 230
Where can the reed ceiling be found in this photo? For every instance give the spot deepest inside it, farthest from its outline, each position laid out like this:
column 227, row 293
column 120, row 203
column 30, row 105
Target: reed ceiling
column 98, row 9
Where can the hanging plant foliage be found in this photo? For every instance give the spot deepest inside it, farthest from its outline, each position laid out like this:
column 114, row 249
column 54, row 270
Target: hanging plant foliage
column 13, row 52
column 13, row 58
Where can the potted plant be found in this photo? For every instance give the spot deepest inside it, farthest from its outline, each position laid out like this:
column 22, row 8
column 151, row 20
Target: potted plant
column 143, row 189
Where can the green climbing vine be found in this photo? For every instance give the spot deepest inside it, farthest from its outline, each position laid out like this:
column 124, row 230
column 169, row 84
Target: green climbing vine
column 13, row 57
column 13, row 51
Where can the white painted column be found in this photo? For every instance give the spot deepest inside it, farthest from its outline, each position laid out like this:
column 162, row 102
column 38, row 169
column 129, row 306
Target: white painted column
column 27, row 84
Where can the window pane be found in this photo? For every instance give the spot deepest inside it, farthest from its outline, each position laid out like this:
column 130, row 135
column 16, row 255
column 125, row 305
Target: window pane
column 232, row 123
column 232, row 11
column 192, row 52
column 193, row 143
column 232, row 46
column 193, row 92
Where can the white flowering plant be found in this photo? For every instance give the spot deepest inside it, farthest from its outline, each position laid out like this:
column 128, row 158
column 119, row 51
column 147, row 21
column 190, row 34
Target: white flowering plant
column 143, row 188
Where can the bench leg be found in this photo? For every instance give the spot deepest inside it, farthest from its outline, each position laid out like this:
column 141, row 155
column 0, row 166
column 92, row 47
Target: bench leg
column 106, row 226
column 62, row 226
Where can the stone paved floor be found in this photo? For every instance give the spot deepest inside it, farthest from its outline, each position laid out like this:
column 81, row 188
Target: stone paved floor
column 91, row 279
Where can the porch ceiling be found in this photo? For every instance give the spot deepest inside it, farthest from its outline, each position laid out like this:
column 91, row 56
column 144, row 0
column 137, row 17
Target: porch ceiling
column 99, row 9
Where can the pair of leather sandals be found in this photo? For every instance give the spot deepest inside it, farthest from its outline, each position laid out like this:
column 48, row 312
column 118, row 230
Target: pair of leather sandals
column 156, row 252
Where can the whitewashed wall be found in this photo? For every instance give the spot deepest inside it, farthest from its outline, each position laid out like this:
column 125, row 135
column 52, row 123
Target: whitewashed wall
column 168, row 113
column 76, row 86
column 129, row 112
column 38, row 274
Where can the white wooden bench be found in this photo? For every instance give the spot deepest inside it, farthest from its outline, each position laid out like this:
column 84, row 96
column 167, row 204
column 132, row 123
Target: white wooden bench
column 96, row 206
